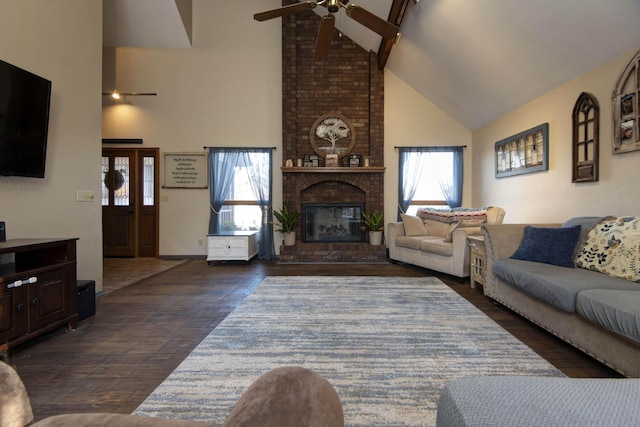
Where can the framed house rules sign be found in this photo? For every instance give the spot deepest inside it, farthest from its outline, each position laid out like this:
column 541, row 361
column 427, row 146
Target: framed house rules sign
column 185, row 170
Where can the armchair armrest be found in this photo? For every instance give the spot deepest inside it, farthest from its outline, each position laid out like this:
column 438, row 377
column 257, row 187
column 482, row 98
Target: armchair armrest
column 394, row 229
column 461, row 247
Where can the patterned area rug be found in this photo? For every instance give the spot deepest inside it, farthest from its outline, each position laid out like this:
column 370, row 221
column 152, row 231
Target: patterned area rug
column 387, row 344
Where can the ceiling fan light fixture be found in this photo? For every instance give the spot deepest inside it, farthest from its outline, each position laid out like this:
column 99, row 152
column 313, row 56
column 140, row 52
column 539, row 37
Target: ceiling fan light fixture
column 333, row 6
column 382, row 27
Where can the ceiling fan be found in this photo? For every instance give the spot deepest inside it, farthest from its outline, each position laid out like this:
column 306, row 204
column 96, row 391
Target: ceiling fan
column 323, row 41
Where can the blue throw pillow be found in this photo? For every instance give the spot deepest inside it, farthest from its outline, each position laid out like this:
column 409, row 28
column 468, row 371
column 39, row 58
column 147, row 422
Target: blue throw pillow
column 548, row 245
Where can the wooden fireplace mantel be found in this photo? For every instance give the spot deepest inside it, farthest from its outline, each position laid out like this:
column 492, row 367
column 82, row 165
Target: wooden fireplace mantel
column 344, row 169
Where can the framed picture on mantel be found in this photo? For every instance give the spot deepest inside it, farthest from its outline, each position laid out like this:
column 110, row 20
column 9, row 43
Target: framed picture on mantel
column 331, row 160
column 355, row 160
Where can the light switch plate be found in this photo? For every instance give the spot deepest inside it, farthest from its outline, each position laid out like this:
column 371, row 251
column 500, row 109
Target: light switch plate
column 84, row 196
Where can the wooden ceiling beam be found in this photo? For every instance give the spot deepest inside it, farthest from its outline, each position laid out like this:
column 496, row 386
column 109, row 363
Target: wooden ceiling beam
column 396, row 15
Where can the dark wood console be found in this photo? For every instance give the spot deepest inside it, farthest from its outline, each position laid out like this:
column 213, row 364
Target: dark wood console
column 38, row 288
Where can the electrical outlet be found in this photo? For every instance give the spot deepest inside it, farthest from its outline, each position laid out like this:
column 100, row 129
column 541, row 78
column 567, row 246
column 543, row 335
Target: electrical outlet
column 200, row 242
column 84, row 196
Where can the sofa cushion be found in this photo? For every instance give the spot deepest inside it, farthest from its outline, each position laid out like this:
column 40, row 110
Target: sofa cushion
column 495, row 215
column 437, row 228
column 553, row 284
column 586, row 223
column 614, row 310
column 411, row 242
column 436, row 246
column 539, row 401
column 613, row 247
column 431, row 244
column 548, row 245
column 413, row 225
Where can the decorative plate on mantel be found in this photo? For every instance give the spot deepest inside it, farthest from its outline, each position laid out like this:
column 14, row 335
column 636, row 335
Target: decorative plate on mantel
column 332, row 134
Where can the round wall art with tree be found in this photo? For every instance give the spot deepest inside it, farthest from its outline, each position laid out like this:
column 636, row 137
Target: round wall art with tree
column 332, row 134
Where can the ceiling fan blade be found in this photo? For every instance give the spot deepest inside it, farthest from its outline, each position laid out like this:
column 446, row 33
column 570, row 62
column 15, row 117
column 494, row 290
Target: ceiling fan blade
column 386, row 29
column 325, row 34
column 285, row 10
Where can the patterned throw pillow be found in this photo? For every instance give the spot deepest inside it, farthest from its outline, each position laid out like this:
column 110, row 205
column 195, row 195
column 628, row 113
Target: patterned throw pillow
column 612, row 247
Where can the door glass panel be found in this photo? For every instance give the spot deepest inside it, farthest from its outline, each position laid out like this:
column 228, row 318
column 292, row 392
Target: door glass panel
column 121, row 181
column 148, row 173
column 105, row 173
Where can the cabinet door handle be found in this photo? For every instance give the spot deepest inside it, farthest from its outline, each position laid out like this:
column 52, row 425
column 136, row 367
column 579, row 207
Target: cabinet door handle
column 20, row 307
column 19, row 283
column 34, row 302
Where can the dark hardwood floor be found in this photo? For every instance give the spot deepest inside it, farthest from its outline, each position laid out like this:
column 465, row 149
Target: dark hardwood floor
column 140, row 333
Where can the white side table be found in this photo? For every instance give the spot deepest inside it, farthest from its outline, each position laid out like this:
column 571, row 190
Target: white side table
column 478, row 259
column 232, row 246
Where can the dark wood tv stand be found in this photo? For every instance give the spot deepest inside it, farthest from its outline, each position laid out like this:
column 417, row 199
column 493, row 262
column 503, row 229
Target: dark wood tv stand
column 38, row 288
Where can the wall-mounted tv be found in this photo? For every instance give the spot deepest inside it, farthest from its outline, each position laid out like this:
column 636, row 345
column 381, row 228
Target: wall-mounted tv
column 24, row 121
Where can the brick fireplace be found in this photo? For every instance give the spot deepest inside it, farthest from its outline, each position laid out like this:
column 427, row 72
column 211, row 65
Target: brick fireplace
column 348, row 84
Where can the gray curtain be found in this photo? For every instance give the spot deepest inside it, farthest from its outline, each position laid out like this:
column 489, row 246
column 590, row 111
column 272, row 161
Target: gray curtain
column 410, row 174
column 259, row 163
column 413, row 161
column 222, row 162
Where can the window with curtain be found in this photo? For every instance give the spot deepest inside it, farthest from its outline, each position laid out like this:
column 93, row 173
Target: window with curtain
column 240, row 210
column 240, row 192
column 429, row 177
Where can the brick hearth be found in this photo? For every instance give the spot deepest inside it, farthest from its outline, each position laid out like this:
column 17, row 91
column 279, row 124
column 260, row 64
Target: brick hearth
column 333, row 253
column 350, row 84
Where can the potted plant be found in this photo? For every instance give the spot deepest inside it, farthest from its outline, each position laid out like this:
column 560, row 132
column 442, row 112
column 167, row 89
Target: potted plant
column 288, row 219
column 374, row 224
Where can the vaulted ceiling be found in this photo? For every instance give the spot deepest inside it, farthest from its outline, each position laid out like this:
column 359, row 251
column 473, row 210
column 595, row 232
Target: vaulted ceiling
column 474, row 59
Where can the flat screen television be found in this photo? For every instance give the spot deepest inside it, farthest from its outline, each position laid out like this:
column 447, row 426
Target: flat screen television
column 24, row 121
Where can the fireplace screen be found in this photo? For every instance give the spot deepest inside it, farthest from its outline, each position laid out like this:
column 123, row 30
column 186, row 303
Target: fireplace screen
column 331, row 222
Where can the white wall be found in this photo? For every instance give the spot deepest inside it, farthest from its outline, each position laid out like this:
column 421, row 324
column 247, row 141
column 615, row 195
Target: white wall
column 226, row 91
column 412, row 120
column 60, row 41
column 550, row 195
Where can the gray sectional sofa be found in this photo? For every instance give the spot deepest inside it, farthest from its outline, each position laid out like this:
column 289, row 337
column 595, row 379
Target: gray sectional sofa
column 595, row 312
column 584, row 303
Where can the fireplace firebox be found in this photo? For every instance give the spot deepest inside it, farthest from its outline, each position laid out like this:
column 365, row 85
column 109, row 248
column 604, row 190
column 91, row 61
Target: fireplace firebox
column 332, row 222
